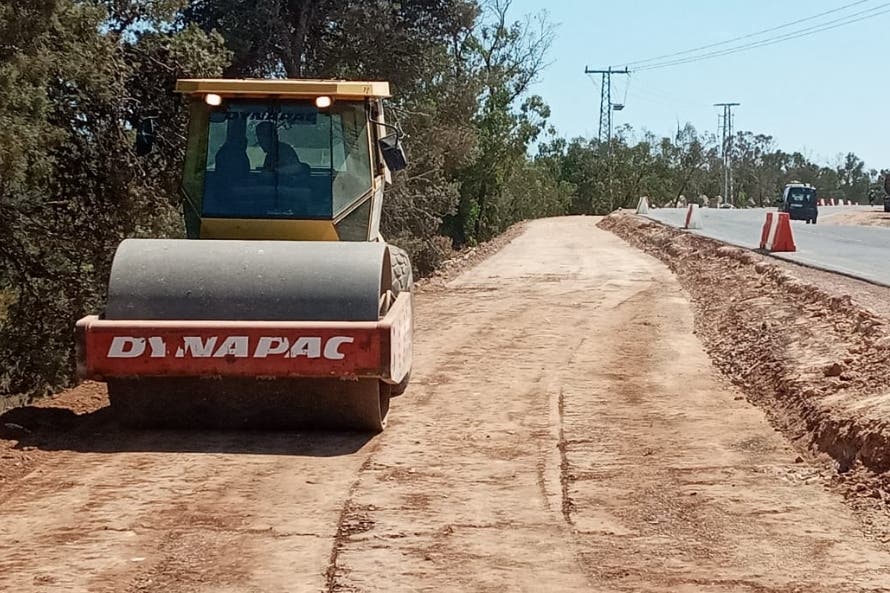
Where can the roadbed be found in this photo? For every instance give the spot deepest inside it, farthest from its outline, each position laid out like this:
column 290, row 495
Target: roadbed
column 564, row 430
column 810, row 347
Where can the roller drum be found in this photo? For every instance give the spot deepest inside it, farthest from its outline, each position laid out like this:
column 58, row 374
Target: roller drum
column 247, row 280
column 153, row 279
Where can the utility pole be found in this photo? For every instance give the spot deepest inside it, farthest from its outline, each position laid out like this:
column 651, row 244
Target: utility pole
column 606, row 105
column 725, row 122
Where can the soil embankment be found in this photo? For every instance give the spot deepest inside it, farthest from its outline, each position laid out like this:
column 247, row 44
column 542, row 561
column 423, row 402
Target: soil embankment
column 876, row 217
column 812, row 355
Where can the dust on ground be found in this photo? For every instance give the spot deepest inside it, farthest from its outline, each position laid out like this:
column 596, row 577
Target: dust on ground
column 876, row 217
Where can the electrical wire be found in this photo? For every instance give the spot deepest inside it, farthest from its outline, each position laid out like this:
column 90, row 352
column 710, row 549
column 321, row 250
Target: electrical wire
column 667, row 97
column 750, row 35
column 827, row 26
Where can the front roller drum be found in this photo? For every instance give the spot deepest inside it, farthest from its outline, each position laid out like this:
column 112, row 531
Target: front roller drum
column 236, row 334
column 240, row 403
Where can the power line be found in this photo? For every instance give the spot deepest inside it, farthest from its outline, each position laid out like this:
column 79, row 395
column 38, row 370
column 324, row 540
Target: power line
column 827, row 26
column 750, row 35
column 654, row 94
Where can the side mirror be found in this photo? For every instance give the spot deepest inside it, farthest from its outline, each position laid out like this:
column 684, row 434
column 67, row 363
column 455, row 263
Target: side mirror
column 145, row 136
column 393, row 152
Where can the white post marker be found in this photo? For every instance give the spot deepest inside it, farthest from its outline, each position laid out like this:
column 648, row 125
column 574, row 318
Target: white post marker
column 643, row 205
column 693, row 217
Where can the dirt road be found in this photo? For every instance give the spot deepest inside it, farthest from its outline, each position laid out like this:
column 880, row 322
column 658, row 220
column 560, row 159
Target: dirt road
column 564, row 431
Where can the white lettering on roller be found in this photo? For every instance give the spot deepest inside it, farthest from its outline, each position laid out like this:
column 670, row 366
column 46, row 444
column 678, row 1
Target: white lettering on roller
column 332, row 348
column 308, row 347
column 158, row 347
column 196, row 347
column 267, row 346
column 233, row 346
column 126, row 347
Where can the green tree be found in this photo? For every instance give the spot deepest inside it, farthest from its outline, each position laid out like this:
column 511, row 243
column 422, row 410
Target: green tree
column 505, row 57
column 70, row 186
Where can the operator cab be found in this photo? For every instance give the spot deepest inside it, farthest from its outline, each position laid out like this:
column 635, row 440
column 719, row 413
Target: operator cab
column 286, row 159
column 799, row 201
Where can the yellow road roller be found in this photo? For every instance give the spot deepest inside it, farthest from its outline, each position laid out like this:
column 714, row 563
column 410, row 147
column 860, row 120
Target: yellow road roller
column 291, row 310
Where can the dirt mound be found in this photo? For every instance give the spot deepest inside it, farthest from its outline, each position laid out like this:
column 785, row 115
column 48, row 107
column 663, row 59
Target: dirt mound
column 25, row 430
column 858, row 217
column 819, row 363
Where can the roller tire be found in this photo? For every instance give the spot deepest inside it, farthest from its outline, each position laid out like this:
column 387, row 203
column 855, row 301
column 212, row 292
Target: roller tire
column 402, row 281
column 402, row 274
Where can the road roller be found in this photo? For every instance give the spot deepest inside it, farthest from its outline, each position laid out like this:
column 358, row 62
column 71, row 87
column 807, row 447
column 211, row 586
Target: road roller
column 284, row 307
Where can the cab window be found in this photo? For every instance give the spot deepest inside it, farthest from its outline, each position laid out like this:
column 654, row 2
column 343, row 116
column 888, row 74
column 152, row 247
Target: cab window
column 285, row 159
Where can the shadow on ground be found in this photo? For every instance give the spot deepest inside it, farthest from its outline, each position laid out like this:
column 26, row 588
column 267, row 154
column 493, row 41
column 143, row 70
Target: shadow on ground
column 60, row 429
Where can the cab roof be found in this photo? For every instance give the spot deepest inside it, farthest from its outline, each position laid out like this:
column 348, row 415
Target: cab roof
column 296, row 88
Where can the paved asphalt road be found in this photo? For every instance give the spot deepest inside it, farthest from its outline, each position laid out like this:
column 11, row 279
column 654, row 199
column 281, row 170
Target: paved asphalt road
column 860, row 251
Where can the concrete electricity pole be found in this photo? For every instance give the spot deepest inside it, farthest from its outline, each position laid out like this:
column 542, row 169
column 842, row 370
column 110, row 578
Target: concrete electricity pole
column 726, row 130
column 606, row 105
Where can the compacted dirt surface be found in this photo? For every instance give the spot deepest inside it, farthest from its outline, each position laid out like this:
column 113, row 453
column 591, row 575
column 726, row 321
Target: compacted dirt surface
column 565, row 430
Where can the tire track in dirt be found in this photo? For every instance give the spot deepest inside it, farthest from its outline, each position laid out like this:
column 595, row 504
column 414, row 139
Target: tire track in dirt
column 565, row 431
column 169, row 512
column 656, row 475
column 490, row 420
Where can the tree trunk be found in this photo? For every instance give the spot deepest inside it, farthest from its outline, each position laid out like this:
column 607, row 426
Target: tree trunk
column 305, row 13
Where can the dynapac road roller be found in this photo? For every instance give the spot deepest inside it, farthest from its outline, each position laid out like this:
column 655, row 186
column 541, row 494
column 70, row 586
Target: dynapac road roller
column 291, row 310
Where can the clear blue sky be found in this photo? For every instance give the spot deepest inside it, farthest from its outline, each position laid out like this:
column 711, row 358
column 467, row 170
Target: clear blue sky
column 824, row 95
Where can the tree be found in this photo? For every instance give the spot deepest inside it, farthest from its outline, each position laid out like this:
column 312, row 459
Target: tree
column 70, row 185
column 305, row 38
column 505, row 57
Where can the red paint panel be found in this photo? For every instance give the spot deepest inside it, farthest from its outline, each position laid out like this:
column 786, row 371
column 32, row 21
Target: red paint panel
column 784, row 240
column 764, row 234
column 245, row 349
